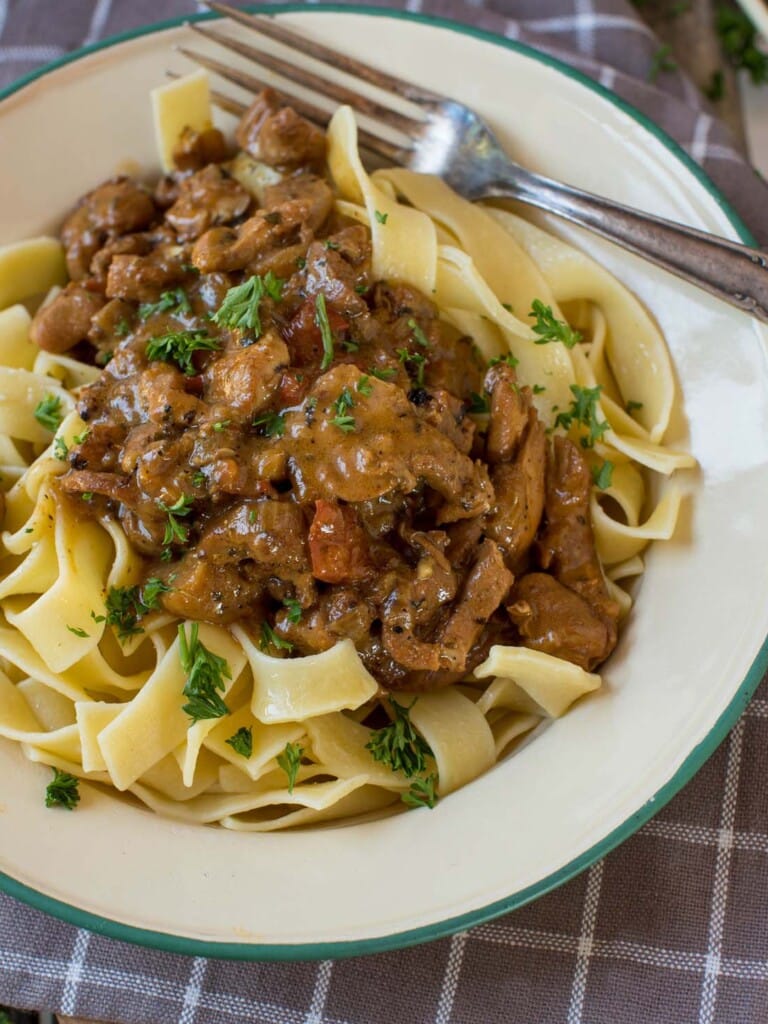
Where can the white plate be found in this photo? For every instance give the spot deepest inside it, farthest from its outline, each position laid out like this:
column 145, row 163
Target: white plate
column 689, row 658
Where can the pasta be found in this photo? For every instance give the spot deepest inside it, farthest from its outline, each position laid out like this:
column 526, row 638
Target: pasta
column 105, row 680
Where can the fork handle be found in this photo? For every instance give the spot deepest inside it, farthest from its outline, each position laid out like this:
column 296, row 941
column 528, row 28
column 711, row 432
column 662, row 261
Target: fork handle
column 734, row 273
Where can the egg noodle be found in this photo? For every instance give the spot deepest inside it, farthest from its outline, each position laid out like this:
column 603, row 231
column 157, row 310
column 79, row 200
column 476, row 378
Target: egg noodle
column 78, row 700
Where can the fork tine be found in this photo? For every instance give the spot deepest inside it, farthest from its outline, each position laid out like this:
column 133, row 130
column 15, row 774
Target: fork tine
column 381, row 79
column 380, row 147
column 324, row 86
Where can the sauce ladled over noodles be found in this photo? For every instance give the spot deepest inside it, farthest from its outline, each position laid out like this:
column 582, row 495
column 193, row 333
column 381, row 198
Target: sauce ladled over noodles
column 295, row 446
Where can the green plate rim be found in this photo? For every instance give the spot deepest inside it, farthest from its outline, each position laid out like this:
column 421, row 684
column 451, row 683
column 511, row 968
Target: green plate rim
column 183, row 945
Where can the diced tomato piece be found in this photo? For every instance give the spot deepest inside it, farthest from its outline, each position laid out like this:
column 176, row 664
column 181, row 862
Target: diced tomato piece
column 293, row 386
column 303, row 336
column 338, row 546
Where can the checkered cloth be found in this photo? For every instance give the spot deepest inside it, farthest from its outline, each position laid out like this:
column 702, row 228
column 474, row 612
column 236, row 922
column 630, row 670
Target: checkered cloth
column 671, row 927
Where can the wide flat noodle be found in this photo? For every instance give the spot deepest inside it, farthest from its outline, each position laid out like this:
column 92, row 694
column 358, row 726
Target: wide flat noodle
column 459, row 735
column 182, row 103
column 30, row 268
column 553, row 684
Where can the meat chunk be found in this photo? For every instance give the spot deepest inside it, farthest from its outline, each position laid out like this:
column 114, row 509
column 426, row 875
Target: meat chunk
column 339, row 614
column 246, row 378
column 313, row 192
column 118, row 207
column 195, row 150
column 278, row 136
column 143, row 278
column 386, row 447
column 519, row 490
column 447, row 414
column 227, row 249
column 329, row 271
column 206, row 199
column 510, row 406
column 338, row 546
column 567, row 543
column 66, row 320
column 556, row 620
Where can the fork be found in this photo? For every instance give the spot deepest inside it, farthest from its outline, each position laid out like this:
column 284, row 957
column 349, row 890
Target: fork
column 444, row 137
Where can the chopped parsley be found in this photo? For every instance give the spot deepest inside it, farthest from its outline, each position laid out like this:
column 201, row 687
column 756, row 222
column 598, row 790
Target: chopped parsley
column 508, row 360
column 293, row 608
column 179, row 346
column 60, row 449
column 269, row 638
column 62, row 790
column 78, row 632
column 603, row 475
column 270, row 424
column 381, row 218
column 344, row 402
column 508, row 306
column 48, row 412
column 583, row 410
column 169, row 302
column 221, row 425
column 240, row 307
column 631, row 406
column 422, row 793
column 123, row 328
column 290, row 761
column 549, row 328
column 418, row 335
column 176, row 532
column 328, row 244
column 321, row 319
column 242, row 741
column 206, row 673
column 198, row 478
column 125, row 606
column 539, row 389
column 345, row 423
column 410, row 360
column 364, row 386
column 478, row 403
column 87, row 496
column 350, row 345
column 398, row 745
column 382, row 373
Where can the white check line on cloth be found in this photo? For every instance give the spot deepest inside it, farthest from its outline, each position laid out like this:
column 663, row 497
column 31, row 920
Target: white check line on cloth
column 451, row 978
column 585, row 32
column 576, row 22
column 98, row 21
column 701, row 131
column 722, row 875
column 193, row 991
column 3, row 15
column 586, row 942
column 320, row 993
column 74, row 972
column 30, row 54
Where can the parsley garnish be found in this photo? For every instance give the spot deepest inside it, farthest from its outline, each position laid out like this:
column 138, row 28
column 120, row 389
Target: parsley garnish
column 345, row 423
column 60, row 449
column 661, row 61
column 87, row 496
column 126, row 605
column 206, row 672
column 738, row 37
column 78, row 632
column 221, row 425
column 198, row 478
column 508, row 360
column 381, row 218
column 478, row 403
column 364, row 387
column 538, row 389
column 350, row 345
column 414, row 359
column 385, row 373
column 398, row 745
column 328, row 244
column 422, row 793
column 293, row 608
column 62, row 791
column 242, row 741
column 289, row 761
column 178, row 347
column 240, row 307
column 321, row 319
column 418, row 335
column 583, row 410
column 176, row 532
column 508, row 306
column 549, row 328
column 344, row 402
column 48, row 412
column 603, row 475
column 123, row 328
column 632, row 405
column 169, row 302
column 270, row 424
column 269, row 638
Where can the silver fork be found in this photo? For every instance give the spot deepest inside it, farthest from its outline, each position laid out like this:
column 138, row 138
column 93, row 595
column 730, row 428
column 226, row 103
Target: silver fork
column 444, row 137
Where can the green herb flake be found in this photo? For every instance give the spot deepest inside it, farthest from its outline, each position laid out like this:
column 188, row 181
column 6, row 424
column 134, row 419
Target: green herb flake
column 539, row 389
column 175, row 301
column 508, row 306
column 603, row 475
column 78, row 632
column 478, row 404
column 381, row 218
column 198, row 479
column 418, row 334
column 179, row 346
column 411, row 360
column 125, row 606
column 549, row 328
column 123, row 328
column 293, row 608
column 344, row 402
column 290, row 761
column 583, row 410
column 350, row 345
column 382, row 373
column 398, row 745
column 221, row 425
column 345, row 423
column 240, row 307
column 206, row 673
column 632, row 406
column 60, row 449
column 364, row 386
column 321, row 319
column 48, row 412
column 269, row 638
column 422, row 793
column 242, row 741
column 87, row 496
column 62, row 790
column 176, row 532
column 508, row 360
column 270, row 424
column 328, row 244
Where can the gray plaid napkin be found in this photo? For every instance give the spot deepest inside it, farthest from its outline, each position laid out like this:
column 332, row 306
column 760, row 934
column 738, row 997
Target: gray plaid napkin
column 671, row 927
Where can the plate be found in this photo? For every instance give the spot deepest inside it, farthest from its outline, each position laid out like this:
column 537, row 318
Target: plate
column 690, row 656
